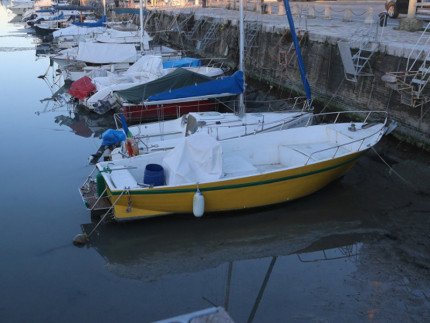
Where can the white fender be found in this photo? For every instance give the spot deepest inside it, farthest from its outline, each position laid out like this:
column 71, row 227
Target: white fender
column 198, row 204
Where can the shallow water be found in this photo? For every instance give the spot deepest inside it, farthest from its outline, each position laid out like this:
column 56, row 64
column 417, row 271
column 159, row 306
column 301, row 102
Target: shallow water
column 340, row 254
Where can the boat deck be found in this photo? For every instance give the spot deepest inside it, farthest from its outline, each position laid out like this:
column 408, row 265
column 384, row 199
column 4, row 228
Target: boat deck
column 237, row 165
column 250, row 156
column 288, row 156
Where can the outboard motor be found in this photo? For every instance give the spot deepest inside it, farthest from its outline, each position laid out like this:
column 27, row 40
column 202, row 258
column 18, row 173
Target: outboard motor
column 110, row 140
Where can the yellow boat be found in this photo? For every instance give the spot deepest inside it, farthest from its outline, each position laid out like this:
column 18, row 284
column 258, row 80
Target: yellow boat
column 203, row 175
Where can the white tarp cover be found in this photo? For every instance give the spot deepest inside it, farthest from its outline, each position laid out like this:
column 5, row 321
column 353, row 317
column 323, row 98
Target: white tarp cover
column 146, row 69
column 150, row 64
column 99, row 53
column 78, row 31
column 195, row 159
column 117, row 36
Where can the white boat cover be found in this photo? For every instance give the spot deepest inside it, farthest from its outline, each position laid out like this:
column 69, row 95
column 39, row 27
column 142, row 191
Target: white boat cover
column 78, row 31
column 195, row 159
column 147, row 68
column 99, row 53
column 151, row 64
column 115, row 36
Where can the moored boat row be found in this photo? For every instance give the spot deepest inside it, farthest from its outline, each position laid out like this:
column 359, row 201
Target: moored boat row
column 205, row 160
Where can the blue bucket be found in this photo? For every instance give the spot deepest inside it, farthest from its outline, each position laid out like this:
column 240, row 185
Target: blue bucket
column 154, row 175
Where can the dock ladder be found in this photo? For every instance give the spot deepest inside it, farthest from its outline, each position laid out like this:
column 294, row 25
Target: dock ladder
column 252, row 28
column 412, row 82
column 356, row 54
column 190, row 35
column 209, row 37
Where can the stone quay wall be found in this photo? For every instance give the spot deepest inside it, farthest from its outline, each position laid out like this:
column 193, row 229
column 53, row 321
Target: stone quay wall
column 270, row 58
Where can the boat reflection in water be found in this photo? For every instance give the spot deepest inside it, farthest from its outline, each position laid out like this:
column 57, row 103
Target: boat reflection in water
column 81, row 121
column 332, row 247
column 151, row 249
column 86, row 124
column 245, row 260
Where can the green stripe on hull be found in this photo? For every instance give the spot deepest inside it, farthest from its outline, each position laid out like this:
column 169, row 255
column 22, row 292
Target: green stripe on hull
column 226, row 187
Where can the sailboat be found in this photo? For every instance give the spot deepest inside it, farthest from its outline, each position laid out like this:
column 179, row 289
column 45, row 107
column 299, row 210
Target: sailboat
column 148, row 73
column 115, row 50
column 202, row 98
column 201, row 174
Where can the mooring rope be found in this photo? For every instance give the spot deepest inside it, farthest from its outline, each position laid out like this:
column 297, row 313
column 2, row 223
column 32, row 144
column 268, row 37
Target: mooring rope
column 108, row 211
column 392, row 170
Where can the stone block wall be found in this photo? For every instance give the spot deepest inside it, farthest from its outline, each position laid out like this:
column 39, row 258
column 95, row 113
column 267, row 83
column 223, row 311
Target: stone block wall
column 271, row 61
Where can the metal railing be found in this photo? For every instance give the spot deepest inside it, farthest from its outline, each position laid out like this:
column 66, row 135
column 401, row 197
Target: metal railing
column 361, row 140
column 368, row 115
column 138, row 116
column 304, row 120
column 421, row 46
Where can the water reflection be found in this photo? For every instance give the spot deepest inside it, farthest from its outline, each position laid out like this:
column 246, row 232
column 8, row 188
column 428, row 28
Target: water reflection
column 58, row 99
column 85, row 124
column 82, row 122
column 151, row 249
column 347, row 247
column 42, row 49
column 248, row 263
column 78, row 125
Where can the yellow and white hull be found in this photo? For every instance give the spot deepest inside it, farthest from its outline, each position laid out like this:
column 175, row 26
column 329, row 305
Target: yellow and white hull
column 240, row 193
column 235, row 174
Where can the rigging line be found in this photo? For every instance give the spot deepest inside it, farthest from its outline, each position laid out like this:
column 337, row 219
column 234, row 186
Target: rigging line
column 93, row 141
column 392, row 170
column 107, row 212
column 209, row 301
column 334, row 95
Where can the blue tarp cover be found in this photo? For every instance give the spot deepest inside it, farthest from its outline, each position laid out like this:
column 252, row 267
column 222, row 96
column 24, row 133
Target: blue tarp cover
column 230, row 84
column 134, row 11
column 99, row 23
column 79, row 8
column 183, row 62
column 112, row 137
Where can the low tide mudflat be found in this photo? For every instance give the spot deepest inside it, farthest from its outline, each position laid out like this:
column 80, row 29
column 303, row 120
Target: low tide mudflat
column 356, row 251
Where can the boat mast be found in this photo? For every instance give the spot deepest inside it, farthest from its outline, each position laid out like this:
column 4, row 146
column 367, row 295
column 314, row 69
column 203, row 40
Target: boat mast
column 241, row 54
column 298, row 52
column 141, row 25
